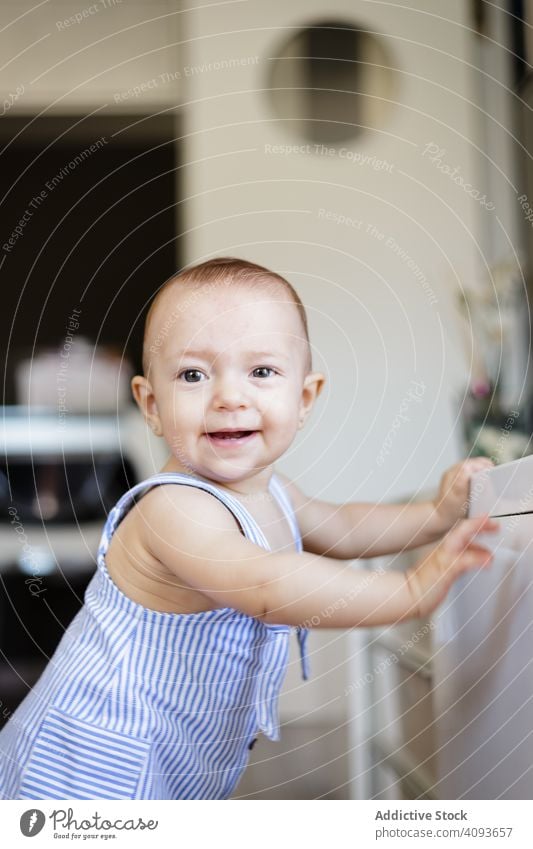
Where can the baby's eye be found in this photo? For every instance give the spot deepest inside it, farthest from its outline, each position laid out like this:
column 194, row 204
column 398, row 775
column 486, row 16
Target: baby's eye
column 191, row 375
column 261, row 371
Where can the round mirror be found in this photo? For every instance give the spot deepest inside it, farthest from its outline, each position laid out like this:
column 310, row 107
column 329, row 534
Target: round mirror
column 331, row 82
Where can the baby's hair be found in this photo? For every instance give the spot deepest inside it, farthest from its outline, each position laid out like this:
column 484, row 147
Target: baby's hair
column 224, row 271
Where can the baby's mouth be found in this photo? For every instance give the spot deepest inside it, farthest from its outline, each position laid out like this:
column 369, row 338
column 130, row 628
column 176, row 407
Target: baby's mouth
column 230, row 435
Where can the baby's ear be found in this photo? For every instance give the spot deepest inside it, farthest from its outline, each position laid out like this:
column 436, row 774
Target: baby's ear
column 312, row 387
column 144, row 396
column 314, row 382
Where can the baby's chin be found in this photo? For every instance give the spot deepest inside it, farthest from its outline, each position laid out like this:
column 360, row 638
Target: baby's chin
column 217, row 472
column 226, row 473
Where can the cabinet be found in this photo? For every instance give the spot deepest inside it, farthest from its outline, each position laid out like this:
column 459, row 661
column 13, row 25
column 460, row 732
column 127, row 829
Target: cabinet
column 482, row 661
column 393, row 719
column 444, row 708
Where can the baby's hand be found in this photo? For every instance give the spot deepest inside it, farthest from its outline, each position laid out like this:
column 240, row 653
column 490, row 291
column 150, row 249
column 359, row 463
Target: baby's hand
column 458, row 552
column 451, row 502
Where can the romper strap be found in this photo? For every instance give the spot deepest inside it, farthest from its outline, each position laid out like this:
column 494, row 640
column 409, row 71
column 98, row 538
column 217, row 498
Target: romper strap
column 247, row 523
column 285, row 503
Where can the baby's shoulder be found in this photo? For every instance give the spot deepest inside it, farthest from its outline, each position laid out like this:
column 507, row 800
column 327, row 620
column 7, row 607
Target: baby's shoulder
column 182, row 505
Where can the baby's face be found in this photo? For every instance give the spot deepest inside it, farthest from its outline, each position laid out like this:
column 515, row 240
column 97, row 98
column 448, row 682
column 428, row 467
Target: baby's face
column 227, row 385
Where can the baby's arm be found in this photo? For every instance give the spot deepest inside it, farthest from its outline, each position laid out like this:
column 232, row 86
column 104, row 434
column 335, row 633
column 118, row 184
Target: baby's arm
column 362, row 529
column 197, row 540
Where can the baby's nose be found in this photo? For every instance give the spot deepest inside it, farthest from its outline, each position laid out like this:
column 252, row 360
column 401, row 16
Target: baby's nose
column 230, row 394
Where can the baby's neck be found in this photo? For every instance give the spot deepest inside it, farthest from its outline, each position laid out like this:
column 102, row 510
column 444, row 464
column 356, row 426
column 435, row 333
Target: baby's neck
column 252, row 487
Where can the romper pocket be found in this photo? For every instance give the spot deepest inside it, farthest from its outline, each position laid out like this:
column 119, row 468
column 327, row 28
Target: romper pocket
column 72, row 759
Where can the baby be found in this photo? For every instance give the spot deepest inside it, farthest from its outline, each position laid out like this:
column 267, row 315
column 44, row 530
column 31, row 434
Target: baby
column 174, row 664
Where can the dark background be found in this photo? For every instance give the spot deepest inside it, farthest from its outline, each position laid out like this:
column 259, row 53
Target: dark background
column 103, row 240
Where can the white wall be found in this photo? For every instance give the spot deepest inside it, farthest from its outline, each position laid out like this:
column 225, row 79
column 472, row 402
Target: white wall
column 94, row 61
column 375, row 328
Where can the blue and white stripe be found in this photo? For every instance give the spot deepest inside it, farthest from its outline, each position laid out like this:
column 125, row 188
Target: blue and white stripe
column 138, row 704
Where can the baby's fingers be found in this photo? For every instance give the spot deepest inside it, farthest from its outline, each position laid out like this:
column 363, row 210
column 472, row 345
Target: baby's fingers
column 474, row 557
column 466, row 531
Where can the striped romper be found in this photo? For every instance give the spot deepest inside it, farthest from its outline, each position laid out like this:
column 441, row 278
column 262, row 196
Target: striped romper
column 138, row 704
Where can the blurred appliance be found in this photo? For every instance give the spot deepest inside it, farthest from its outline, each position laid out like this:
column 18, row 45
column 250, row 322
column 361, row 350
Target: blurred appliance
column 98, row 247
column 83, row 377
column 58, row 480
column 61, row 479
